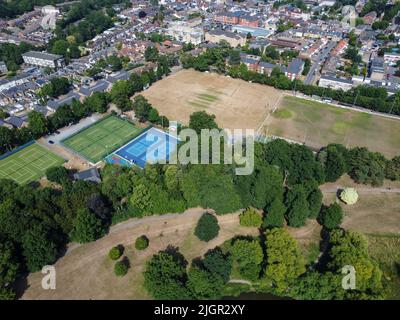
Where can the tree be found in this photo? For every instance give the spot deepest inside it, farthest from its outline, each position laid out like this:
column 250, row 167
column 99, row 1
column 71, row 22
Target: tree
column 210, row 186
column 141, row 242
column 250, row 218
column 201, row 120
column 121, row 267
column 297, row 206
column 392, row 169
column 284, row 261
column 366, row 167
column 314, row 200
column 332, row 216
column 268, row 185
column 349, row 248
column 207, row 227
column 151, row 53
column 115, row 253
column 37, row 123
column 142, row 108
column 316, row 286
column 204, row 284
column 249, row 256
column 120, row 93
column 153, row 116
column 56, row 87
column 37, row 247
column 141, row 197
column 165, row 276
column 234, row 58
column 87, row 226
column 57, row 174
column 8, row 269
column 275, row 214
column 217, row 262
column 334, row 160
column 349, row 196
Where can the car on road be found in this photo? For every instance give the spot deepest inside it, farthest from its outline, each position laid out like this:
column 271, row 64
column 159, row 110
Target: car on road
column 51, row 141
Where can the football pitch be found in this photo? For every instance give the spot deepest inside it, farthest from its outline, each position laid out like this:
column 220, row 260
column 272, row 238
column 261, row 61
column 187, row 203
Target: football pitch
column 318, row 124
column 101, row 138
column 28, row 164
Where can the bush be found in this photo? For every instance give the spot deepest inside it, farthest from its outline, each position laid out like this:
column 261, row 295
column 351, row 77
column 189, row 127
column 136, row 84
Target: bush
column 250, row 218
column 115, row 253
column 57, row 174
column 349, row 196
column 141, row 243
column 207, row 227
column 332, row 216
column 121, row 268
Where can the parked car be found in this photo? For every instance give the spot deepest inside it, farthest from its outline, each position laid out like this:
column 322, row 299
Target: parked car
column 51, row 141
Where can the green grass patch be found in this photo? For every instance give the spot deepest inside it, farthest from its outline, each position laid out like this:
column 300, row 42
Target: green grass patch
column 102, row 138
column 340, row 127
column 28, row 164
column 198, row 104
column 282, row 114
column 207, row 97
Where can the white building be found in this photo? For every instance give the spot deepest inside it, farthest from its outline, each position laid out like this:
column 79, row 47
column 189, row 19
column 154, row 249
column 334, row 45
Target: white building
column 43, row 59
column 391, row 58
column 331, row 82
column 182, row 32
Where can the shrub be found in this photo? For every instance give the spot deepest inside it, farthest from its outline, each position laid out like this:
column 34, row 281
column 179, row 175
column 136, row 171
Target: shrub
column 141, row 243
column 115, row 253
column 250, row 218
column 207, row 227
column 349, row 196
column 332, row 216
column 121, row 268
column 57, row 174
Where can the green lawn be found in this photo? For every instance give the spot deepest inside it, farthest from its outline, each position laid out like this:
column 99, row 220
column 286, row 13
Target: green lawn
column 28, row 164
column 318, row 124
column 102, row 138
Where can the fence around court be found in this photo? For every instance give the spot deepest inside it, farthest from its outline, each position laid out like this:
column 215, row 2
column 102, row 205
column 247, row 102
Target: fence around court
column 117, row 147
column 9, row 153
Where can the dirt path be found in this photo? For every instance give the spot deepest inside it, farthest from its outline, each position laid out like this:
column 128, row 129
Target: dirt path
column 363, row 190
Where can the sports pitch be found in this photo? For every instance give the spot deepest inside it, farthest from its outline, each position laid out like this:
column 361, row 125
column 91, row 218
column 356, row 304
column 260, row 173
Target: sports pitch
column 28, row 164
column 236, row 104
column 101, row 138
column 318, row 124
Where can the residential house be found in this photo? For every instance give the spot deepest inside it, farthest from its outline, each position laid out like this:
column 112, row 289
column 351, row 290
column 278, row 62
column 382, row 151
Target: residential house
column 250, row 61
column 90, row 175
column 294, row 69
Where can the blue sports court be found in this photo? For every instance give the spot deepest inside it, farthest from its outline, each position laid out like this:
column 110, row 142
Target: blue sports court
column 151, row 146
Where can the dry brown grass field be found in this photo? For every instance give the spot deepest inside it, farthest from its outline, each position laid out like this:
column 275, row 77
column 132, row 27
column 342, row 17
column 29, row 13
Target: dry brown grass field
column 235, row 103
column 376, row 211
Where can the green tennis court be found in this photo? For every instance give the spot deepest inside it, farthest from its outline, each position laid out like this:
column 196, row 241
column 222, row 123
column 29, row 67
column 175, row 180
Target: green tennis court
column 101, row 138
column 28, row 164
